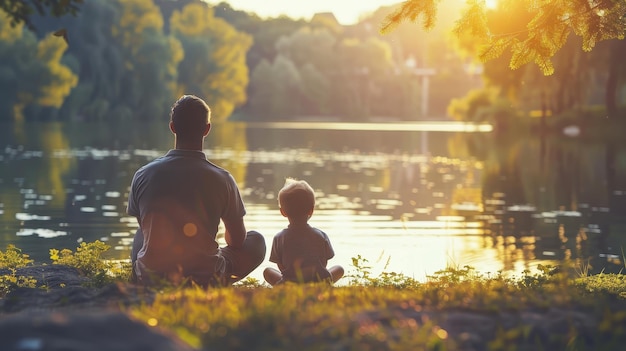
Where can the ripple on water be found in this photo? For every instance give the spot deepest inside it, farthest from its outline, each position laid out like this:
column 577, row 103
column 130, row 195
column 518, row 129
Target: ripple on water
column 30, row 217
column 41, row 232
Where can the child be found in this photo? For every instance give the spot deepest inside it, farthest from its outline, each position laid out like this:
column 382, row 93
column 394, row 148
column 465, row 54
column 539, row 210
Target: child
column 300, row 251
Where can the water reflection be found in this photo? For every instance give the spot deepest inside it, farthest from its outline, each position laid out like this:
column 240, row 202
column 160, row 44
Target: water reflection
column 470, row 199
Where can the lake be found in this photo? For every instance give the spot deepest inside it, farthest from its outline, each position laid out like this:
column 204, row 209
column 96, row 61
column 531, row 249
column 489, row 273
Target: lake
column 409, row 198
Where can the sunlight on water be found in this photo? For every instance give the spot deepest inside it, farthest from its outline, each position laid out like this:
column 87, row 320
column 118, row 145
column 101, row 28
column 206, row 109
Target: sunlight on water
column 41, row 232
column 441, row 126
column 121, row 234
column 31, row 217
column 415, row 248
column 409, row 200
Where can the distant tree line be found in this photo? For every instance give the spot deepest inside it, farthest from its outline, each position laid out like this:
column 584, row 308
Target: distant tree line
column 120, row 62
column 132, row 58
column 321, row 69
column 552, row 57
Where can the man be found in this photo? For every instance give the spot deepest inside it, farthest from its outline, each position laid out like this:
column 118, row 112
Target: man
column 179, row 200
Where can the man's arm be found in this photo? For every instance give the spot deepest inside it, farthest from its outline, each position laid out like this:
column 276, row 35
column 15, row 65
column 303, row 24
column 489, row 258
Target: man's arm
column 235, row 233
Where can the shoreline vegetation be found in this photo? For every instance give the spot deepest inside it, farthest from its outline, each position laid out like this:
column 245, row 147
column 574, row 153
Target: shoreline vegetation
column 46, row 306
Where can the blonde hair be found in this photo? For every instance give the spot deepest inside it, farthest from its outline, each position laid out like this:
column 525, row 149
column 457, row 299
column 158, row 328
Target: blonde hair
column 296, row 198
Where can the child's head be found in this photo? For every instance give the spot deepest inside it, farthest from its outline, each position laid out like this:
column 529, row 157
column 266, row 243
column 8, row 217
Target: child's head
column 296, row 199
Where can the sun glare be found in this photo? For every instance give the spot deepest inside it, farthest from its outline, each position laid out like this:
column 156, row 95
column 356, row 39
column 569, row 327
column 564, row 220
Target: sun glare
column 346, row 11
column 491, row 4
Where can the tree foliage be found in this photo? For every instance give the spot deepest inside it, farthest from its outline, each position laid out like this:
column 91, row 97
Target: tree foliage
column 120, row 63
column 150, row 58
column 546, row 30
column 214, row 65
column 318, row 71
column 126, row 64
column 32, row 73
column 132, row 58
column 21, row 11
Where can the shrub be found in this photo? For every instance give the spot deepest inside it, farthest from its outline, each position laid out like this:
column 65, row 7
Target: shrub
column 10, row 260
column 88, row 259
column 14, row 258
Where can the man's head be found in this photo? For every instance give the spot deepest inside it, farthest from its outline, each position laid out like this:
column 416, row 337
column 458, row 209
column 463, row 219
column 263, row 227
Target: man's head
column 190, row 117
column 296, row 199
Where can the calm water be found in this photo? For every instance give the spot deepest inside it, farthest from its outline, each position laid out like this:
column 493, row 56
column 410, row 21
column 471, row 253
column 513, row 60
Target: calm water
column 409, row 198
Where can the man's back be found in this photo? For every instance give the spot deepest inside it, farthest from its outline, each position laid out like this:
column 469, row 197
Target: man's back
column 179, row 200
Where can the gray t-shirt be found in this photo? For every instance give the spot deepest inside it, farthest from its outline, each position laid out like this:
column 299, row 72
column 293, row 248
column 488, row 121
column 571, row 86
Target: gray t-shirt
column 179, row 200
column 300, row 245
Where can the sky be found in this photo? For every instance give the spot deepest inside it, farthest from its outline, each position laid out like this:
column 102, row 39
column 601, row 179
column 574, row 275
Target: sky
column 346, row 11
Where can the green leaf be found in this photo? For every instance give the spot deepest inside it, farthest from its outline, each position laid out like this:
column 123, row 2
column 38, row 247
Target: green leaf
column 495, row 48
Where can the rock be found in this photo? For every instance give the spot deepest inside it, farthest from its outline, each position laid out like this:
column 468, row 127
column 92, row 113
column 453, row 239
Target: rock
column 66, row 312
column 53, row 276
column 65, row 286
column 82, row 331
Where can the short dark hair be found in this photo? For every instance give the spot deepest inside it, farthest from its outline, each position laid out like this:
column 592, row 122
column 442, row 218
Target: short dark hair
column 190, row 115
column 296, row 198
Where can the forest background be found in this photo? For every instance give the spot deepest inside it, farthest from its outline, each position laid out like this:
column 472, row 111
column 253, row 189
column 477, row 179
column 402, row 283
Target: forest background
column 130, row 59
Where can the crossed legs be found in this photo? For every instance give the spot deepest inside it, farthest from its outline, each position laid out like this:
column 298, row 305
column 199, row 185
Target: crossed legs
column 273, row 276
column 239, row 262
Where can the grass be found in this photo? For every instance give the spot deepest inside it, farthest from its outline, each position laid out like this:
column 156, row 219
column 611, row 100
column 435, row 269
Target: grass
column 386, row 312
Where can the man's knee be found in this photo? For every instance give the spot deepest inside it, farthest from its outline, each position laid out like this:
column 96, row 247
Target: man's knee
column 255, row 243
column 256, row 238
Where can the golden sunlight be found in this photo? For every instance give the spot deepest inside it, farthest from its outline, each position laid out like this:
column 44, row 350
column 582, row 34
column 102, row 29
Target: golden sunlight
column 491, row 4
column 346, row 11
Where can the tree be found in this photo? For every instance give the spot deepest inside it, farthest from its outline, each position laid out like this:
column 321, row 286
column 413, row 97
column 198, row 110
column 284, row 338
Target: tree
column 59, row 80
column 412, row 51
column 616, row 75
column 21, row 11
column 277, row 90
column 150, row 59
column 549, row 25
column 31, row 74
column 127, row 66
column 363, row 64
column 316, row 90
column 94, row 56
column 214, row 65
column 262, row 86
column 264, row 32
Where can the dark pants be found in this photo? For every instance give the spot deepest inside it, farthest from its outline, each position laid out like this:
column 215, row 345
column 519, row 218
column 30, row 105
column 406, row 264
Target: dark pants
column 239, row 262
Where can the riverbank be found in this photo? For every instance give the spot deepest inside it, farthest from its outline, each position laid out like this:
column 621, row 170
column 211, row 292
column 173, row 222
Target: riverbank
column 65, row 311
column 455, row 310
